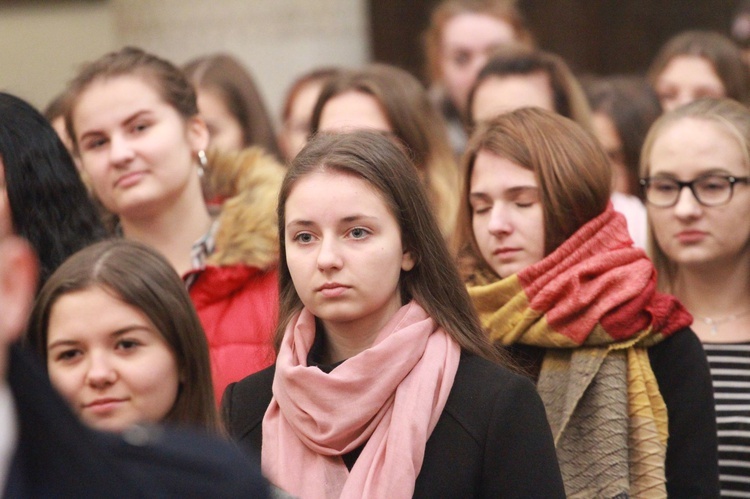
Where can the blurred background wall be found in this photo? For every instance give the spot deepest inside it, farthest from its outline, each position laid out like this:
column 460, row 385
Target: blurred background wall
column 44, row 41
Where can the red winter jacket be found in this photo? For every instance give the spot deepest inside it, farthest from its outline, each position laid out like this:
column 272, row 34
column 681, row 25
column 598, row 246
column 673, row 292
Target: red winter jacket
column 238, row 308
column 236, row 295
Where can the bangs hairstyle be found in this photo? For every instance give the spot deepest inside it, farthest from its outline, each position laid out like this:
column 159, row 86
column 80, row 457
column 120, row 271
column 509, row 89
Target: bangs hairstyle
column 728, row 115
column 569, row 165
column 721, row 52
column 139, row 276
column 166, row 79
column 234, row 83
column 414, row 122
column 434, row 282
column 503, row 10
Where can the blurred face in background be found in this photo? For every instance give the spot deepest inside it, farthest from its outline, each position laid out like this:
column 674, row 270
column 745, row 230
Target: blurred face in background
column 496, row 95
column 353, row 110
column 224, row 130
column 687, row 78
column 296, row 128
column 606, row 132
column 467, row 40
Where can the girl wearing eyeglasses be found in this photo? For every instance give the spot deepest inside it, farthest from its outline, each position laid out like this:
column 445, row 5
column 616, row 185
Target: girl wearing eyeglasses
column 695, row 166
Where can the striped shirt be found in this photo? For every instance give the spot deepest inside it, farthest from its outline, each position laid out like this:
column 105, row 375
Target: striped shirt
column 730, row 373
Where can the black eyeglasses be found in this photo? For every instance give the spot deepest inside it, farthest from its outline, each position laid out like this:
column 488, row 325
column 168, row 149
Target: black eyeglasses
column 708, row 190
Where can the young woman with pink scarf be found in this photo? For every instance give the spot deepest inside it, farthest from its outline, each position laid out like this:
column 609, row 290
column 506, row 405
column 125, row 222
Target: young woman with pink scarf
column 384, row 384
column 554, row 276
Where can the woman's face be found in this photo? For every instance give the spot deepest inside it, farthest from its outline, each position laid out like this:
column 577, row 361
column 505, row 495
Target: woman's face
column 114, row 368
column 353, row 110
column 606, row 131
column 296, row 129
column 6, row 216
column 344, row 252
column 137, row 149
column 689, row 233
column 506, row 214
column 467, row 40
column 501, row 94
column 224, row 130
column 687, row 78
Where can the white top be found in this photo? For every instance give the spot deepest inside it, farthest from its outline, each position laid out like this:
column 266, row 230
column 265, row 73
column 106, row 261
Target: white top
column 8, row 432
column 635, row 214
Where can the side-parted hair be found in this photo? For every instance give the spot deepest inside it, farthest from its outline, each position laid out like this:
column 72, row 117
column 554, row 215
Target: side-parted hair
column 567, row 95
column 226, row 75
column 728, row 115
column 633, row 106
column 139, row 276
column 49, row 204
column 166, row 79
column 721, row 52
column 434, row 281
column 504, row 10
column 571, row 169
column 415, row 123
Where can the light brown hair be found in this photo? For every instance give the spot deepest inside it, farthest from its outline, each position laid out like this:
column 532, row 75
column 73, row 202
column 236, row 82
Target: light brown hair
column 721, row 52
column 570, row 167
column 414, row 122
column 434, row 281
column 139, row 276
column 234, row 83
column 504, row 10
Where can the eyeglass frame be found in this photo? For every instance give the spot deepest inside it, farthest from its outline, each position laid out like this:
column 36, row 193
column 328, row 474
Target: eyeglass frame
column 691, row 185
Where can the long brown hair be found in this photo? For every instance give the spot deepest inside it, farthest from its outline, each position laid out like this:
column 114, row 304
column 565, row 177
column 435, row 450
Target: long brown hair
column 226, row 75
column 414, row 121
column 570, row 167
column 139, row 276
column 434, row 281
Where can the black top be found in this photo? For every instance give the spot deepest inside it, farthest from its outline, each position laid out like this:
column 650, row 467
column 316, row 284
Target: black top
column 681, row 370
column 492, row 439
column 57, row 456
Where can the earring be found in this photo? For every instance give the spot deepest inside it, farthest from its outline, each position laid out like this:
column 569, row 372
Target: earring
column 203, row 163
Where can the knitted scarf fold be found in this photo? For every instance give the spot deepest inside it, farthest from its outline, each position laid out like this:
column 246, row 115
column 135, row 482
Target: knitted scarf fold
column 593, row 305
column 388, row 397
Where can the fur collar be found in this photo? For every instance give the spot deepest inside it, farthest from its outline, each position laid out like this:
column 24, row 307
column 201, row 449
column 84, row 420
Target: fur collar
column 247, row 184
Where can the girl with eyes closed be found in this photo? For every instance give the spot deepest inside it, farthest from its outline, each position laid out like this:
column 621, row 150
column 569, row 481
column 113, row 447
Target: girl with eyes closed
column 121, row 340
column 555, row 278
column 695, row 167
column 133, row 118
column 382, row 387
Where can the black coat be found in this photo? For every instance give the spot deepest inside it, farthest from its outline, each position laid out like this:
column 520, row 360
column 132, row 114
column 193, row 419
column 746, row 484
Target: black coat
column 492, row 439
column 57, row 456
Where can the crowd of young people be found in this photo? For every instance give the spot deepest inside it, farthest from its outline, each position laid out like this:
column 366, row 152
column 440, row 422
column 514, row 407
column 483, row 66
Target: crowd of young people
column 510, row 284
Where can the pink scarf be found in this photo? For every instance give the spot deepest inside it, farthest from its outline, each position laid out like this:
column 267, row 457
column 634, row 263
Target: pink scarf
column 389, row 396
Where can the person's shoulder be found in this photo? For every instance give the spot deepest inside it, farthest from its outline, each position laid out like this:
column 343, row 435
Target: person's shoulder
column 245, row 402
column 481, row 386
column 184, row 463
column 682, row 344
